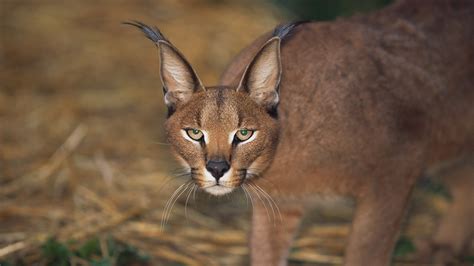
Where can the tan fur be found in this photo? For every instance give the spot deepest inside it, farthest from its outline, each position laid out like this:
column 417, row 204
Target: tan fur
column 366, row 104
column 220, row 111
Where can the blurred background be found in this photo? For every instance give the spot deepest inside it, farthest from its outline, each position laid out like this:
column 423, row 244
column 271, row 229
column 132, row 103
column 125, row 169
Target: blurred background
column 85, row 171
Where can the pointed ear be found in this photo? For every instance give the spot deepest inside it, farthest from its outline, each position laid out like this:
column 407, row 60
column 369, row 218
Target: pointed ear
column 262, row 76
column 178, row 77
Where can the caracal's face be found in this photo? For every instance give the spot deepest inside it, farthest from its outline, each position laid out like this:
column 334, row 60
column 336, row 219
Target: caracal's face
column 223, row 138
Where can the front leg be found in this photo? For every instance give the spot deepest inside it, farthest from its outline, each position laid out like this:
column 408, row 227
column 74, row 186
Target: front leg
column 376, row 225
column 270, row 240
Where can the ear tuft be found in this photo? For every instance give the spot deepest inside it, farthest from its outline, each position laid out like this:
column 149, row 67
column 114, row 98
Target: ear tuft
column 153, row 34
column 283, row 31
column 179, row 79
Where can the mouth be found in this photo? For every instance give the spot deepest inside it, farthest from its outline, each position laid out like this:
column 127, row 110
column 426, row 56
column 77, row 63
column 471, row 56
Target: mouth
column 218, row 189
column 226, row 184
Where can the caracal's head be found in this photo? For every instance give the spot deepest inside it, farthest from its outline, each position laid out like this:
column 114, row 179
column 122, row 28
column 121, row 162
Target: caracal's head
column 224, row 136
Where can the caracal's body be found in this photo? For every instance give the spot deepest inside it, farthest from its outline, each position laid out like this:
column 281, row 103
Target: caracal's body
column 367, row 104
column 358, row 107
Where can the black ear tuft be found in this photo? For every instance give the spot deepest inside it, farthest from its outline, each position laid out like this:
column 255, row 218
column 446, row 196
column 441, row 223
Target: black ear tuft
column 283, row 31
column 153, row 34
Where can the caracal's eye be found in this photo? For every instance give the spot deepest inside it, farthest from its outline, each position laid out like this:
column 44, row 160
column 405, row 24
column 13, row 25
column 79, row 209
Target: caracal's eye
column 194, row 134
column 243, row 134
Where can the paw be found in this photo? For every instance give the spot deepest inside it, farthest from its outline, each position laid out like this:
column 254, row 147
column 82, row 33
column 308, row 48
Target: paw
column 444, row 256
column 428, row 252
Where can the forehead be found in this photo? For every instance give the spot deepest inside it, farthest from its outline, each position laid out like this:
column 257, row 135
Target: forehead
column 220, row 108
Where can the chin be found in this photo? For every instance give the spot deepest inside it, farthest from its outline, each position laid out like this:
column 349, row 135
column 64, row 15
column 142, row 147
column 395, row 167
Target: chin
column 218, row 190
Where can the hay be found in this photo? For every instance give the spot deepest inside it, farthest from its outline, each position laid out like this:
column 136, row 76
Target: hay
column 82, row 152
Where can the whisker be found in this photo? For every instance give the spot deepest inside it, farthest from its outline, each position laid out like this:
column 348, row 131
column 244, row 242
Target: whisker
column 169, row 178
column 164, row 215
column 248, row 193
column 165, row 211
column 187, row 199
column 270, row 198
column 183, row 171
column 194, row 193
column 246, row 197
column 263, row 202
column 254, row 173
column 176, row 199
column 182, row 174
column 269, row 203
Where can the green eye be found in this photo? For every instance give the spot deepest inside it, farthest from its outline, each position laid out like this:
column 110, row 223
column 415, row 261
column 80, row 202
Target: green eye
column 243, row 134
column 194, row 134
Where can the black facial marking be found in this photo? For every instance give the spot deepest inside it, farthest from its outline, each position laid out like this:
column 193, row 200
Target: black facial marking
column 220, row 98
column 273, row 112
column 198, row 118
column 239, row 119
column 171, row 110
column 202, row 143
column 235, row 142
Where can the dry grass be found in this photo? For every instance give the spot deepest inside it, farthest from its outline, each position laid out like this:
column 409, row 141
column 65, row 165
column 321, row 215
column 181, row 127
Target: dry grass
column 82, row 152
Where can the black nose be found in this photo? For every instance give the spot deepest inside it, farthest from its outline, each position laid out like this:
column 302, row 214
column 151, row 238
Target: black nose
column 217, row 168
